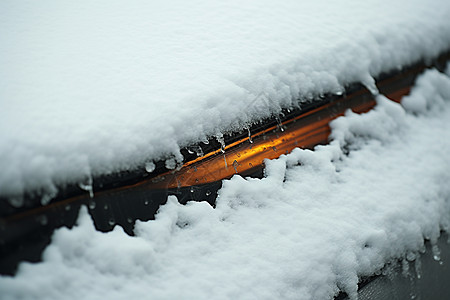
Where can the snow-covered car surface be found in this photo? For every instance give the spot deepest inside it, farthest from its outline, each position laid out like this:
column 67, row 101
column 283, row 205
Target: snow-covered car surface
column 91, row 88
column 97, row 88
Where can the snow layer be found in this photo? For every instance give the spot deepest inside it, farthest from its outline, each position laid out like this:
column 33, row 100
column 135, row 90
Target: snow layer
column 316, row 222
column 95, row 87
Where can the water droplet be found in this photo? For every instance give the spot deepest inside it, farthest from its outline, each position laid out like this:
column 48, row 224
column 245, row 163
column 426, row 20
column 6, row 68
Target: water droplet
column 92, row 204
column 192, row 189
column 222, row 142
column 235, row 165
column 130, row 220
column 436, row 252
column 112, row 222
column 105, row 207
column 250, row 136
column 278, row 120
column 67, row 208
column 274, row 148
column 418, row 268
column 208, row 192
column 279, row 124
column 171, row 164
column 195, row 169
column 150, row 166
column 250, row 165
column 146, row 202
column 87, row 186
column 196, row 180
column 225, row 160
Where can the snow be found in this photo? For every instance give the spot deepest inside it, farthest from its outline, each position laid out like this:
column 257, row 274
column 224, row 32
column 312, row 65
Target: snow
column 92, row 88
column 316, row 222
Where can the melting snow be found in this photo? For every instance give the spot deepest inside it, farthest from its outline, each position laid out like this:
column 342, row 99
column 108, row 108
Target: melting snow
column 316, row 222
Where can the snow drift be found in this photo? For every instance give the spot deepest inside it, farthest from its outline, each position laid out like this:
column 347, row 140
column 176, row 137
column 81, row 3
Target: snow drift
column 316, row 222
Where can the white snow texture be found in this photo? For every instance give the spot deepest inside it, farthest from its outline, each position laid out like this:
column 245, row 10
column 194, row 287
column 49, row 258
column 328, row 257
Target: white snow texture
column 93, row 87
column 314, row 224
